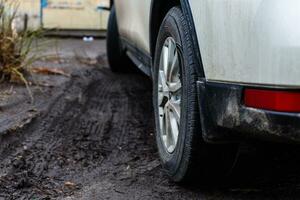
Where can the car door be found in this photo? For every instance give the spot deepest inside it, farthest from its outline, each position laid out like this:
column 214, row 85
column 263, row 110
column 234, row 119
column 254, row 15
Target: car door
column 133, row 22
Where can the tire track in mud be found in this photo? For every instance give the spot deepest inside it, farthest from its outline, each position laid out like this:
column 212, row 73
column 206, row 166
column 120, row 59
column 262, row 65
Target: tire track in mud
column 80, row 137
column 96, row 142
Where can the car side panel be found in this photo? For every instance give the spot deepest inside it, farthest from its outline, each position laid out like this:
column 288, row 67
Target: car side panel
column 249, row 41
column 133, row 20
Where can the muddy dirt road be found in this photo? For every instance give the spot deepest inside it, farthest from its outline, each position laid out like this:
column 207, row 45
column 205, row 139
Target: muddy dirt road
column 96, row 141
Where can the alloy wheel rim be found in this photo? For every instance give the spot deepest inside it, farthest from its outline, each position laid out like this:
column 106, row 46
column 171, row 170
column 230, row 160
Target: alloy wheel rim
column 169, row 94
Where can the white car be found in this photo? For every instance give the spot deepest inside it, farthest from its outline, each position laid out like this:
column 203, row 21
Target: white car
column 223, row 71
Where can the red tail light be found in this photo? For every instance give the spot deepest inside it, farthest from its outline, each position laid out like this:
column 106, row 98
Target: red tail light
column 275, row 100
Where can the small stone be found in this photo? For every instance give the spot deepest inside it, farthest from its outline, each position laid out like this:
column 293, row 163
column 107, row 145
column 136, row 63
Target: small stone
column 69, row 184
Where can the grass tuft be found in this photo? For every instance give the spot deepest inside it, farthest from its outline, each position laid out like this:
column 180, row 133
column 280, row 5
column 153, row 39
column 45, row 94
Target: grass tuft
column 15, row 46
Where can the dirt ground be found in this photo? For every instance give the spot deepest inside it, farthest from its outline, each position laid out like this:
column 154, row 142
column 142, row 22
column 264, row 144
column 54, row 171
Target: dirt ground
column 91, row 136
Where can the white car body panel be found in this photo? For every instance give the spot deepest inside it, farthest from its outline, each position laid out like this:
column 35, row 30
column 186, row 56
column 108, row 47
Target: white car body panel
column 133, row 20
column 241, row 41
column 249, row 41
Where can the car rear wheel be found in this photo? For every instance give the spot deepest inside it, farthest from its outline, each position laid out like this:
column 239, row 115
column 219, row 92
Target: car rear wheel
column 184, row 154
column 117, row 58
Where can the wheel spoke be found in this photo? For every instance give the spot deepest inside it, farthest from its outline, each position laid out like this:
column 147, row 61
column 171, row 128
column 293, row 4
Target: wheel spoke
column 163, row 81
column 166, row 126
column 161, row 118
column 171, row 52
column 174, row 67
column 174, row 106
column 175, row 86
column 174, row 128
column 165, row 55
column 160, row 95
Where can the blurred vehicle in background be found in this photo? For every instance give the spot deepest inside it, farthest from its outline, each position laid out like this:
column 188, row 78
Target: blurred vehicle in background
column 223, row 71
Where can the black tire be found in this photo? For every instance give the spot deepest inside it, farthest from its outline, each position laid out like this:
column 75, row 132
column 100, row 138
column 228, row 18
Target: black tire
column 117, row 58
column 193, row 159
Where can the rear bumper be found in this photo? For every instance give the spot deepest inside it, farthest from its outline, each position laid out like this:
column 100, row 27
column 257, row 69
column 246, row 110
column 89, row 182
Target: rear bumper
column 225, row 119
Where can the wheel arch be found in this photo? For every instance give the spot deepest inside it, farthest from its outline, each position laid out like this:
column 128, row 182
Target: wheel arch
column 159, row 9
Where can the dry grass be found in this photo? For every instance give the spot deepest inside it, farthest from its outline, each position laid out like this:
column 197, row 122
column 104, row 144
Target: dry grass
column 15, row 47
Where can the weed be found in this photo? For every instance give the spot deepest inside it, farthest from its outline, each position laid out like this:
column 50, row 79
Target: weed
column 15, row 47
